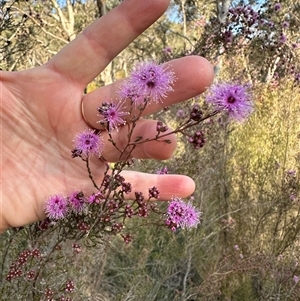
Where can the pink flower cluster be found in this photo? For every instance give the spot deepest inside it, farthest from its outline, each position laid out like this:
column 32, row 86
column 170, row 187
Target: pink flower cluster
column 182, row 215
column 58, row 206
column 231, row 98
column 147, row 82
column 87, row 143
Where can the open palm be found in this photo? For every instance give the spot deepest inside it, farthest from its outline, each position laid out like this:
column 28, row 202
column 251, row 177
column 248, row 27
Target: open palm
column 41, row 113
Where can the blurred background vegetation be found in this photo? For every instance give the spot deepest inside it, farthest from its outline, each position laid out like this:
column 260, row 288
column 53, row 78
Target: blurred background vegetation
column 247, row 175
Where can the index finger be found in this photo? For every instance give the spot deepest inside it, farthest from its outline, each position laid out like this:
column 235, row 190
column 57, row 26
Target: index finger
column 194, row 74
column 85, row 57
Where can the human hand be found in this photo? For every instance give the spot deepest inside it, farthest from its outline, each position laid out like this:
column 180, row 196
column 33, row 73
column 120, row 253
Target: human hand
column 41, row 113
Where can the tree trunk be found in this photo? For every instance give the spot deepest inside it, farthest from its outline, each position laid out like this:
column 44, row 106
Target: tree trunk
column 101, row 7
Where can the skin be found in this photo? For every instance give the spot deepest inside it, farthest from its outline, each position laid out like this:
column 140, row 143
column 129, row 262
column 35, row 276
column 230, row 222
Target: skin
column 40, row 114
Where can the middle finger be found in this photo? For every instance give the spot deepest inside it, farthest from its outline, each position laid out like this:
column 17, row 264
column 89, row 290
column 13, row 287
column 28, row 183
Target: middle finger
column 146, row 129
